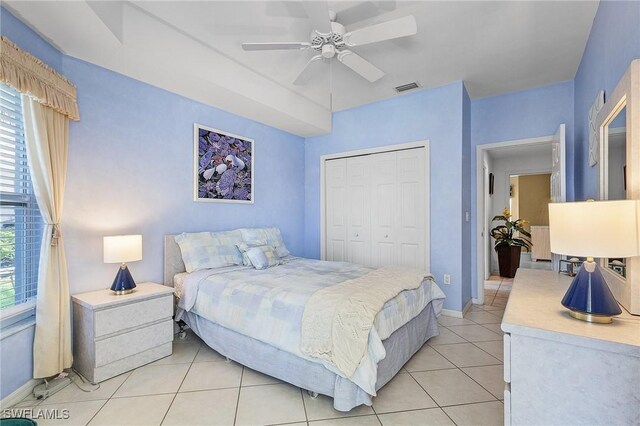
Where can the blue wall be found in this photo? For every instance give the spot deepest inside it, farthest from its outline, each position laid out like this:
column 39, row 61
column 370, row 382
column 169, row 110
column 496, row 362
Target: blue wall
column 434, row 114
column 613, row 43
column 131, row 170
column 524, row 114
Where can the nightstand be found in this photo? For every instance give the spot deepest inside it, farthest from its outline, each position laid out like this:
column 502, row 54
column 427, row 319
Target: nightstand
column 113, row 334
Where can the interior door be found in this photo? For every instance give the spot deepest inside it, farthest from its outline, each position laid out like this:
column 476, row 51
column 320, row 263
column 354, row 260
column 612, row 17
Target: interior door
column 558, row 176
column 336, row 214
column 357, row 205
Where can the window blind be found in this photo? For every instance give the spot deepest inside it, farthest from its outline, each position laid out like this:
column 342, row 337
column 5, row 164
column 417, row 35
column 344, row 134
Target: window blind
column 20, row 220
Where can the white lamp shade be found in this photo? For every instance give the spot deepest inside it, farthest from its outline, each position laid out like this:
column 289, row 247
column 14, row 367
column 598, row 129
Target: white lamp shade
column 122, row 248
column 595, row 228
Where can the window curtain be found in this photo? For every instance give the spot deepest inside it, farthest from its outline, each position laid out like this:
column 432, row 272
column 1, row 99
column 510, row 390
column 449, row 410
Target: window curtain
column 46, row 136
column 49, row 101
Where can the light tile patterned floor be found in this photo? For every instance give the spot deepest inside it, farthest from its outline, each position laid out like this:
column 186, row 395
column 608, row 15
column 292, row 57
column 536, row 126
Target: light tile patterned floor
column 456, row 378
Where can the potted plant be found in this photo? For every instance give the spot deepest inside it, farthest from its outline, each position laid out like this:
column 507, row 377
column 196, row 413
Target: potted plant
column 508, row 245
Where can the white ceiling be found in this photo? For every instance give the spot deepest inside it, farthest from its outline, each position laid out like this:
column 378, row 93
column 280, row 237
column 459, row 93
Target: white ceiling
column 193, row 49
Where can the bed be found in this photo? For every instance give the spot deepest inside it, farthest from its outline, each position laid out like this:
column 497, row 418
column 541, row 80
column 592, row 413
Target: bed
column 253, row 317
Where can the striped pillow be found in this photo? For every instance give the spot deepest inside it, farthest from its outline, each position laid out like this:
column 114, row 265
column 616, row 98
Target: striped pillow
column 208, row 250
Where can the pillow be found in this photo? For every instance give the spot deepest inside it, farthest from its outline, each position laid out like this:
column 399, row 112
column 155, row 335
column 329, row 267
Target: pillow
column 272, row 236
column 208, row 250
column 244, row 247
column 263, row 257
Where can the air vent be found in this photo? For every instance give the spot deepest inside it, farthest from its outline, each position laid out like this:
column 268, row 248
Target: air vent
column 408, row 86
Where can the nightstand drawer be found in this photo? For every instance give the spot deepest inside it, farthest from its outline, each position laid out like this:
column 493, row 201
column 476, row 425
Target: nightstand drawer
column 108, row 321
column 123, row 345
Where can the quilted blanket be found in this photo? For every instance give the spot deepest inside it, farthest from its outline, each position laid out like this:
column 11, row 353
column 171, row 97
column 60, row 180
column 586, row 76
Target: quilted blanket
column 337, row 320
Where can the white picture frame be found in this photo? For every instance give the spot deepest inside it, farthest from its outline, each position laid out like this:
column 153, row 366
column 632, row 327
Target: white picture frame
column 223, row 166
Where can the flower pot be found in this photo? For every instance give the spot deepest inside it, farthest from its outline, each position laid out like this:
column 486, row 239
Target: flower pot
column 508, row 260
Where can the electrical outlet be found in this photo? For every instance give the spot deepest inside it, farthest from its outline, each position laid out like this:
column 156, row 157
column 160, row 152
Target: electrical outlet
column 447, row 279
column 466, row 216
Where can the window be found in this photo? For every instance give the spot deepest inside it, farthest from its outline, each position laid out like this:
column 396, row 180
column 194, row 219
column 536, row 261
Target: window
column 20, row 220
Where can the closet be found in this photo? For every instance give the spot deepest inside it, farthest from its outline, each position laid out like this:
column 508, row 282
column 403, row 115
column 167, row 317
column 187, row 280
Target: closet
column 376, row 209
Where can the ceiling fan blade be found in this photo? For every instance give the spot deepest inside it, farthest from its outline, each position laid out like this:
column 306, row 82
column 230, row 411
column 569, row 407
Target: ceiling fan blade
column 395, row 28
column 287, row 45
column 360, row 65
column 363, row 11
column 306, row 74
column 318, row 12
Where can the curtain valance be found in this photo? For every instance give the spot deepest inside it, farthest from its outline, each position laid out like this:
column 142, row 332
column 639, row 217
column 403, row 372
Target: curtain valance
column 31, row 76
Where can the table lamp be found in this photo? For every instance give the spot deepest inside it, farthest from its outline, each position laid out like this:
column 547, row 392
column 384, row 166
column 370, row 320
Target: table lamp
column 122, row 249
column 594, row 229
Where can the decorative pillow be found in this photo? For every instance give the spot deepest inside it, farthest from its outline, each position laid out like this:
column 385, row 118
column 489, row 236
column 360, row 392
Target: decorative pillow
column 272, row 236
column 244, row 247
column 263, row 257
column 208, row 250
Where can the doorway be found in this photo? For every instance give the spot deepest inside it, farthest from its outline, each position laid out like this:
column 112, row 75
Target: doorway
column 497, row 164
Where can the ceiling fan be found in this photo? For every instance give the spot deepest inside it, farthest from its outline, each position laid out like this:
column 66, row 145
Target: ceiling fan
column 330, row 39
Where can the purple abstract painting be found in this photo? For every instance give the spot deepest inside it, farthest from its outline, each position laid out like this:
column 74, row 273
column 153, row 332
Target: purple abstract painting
column 223, row 166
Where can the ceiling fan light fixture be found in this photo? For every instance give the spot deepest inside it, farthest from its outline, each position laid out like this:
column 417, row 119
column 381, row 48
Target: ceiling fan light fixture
column 328, row 51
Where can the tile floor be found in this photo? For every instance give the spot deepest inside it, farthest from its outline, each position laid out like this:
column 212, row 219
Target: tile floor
column 456, row 378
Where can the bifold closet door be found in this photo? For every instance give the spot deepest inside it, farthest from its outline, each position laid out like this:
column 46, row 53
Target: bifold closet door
column 398, row 209
column 375, row 209
column 335, row 212
column 358, row 207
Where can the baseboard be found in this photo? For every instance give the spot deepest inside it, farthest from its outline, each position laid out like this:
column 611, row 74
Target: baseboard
column 467, row 307
column 19, row 394
column 459, row 314
column 452, row 313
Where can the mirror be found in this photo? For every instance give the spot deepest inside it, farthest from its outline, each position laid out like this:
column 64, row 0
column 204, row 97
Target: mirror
column 615, row 150
column 618, row 124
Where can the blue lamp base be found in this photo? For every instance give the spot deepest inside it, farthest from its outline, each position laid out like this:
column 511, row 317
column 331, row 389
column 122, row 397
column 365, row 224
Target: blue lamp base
column 123, row 284
column 589, row 298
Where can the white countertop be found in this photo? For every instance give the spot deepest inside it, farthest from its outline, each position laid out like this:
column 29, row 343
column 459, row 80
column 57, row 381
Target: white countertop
column 534, row 309
column 101, row 299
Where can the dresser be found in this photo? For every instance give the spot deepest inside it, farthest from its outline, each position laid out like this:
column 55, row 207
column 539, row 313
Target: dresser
column 561, row 371
column 113, row 334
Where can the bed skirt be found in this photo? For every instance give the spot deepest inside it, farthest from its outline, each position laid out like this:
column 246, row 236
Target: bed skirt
column 312, row 376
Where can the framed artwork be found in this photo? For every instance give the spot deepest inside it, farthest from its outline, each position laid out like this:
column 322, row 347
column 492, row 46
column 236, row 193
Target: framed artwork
column 223, row 166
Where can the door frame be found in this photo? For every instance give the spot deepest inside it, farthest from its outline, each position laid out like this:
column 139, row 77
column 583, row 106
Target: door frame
column 481, row 220
column 377, row 150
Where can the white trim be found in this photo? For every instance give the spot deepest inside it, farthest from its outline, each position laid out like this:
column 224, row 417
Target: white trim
column 480, row 149
column 17, row 327
column 387, row 148
column 467, row 307
column 13, row 314
column 19, row 394
column 452, row 313
column 196, row 138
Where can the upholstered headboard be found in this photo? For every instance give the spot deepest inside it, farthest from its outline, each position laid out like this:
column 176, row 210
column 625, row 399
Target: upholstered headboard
column 173, row 263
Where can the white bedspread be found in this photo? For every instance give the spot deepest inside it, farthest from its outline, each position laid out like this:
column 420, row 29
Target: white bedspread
column 268, row 305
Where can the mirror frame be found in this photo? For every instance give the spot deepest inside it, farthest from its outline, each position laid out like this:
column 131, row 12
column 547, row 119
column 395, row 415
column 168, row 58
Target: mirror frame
column 626, row 94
